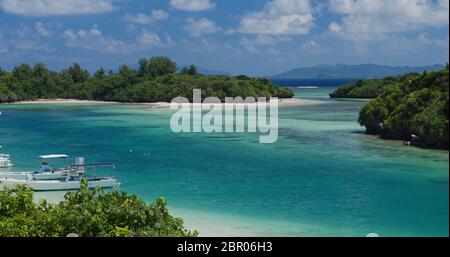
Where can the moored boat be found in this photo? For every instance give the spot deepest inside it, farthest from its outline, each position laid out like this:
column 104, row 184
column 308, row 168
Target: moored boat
column 46, row 172
column 62, row 184
column 5, row 161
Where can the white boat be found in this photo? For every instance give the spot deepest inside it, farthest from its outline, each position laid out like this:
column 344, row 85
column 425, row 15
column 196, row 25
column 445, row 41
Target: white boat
column 66, row 178
column 63, row 184
column 5, row 161
column 46, row 172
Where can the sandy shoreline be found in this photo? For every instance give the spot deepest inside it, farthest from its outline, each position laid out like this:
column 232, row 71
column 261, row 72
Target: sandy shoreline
column 281, row 102
column 63, row 101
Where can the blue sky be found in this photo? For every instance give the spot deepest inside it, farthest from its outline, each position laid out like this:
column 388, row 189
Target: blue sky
column 255, row 37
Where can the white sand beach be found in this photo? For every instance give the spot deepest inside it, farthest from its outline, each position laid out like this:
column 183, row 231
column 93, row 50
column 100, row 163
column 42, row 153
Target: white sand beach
column 62, row 101
column 281, row 102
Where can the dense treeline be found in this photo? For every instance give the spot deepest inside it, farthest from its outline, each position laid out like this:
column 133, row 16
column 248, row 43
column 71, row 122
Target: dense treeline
column 87, row 213
column 413, row 110
column 368, row 89
column 155, row 80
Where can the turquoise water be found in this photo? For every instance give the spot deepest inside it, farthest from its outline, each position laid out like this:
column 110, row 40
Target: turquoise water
column 323, row 177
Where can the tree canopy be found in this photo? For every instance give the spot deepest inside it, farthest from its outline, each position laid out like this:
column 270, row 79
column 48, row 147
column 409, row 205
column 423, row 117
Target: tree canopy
column 88, row 213
column 371, row 88
column 155, row 80
column 417, row 106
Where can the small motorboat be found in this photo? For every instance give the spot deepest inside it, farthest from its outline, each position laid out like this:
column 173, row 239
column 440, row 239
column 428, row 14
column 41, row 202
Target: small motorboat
column 66, row 178
column 5, row 161
column 71, row 183
column 46, row 172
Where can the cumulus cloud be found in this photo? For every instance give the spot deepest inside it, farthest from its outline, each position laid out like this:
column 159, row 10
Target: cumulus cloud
column 93, row 39
column 252, row 44
column 142, row 18
column 200, row 26
column 43, row 29
column 31, row 45
column 24, row 38
column 311, row 44
column 259, row 40
column 279, row 17
column 55, row 7
column 368, row 20
column 192, row 5
column 149, row 39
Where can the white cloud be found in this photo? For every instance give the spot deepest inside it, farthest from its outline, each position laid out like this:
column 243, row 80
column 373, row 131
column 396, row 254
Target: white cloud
column 55, row 7
column 192, row 5
column 200, row 26
column 43, row 29
column 142, row 18
column 369, row 20
column 170, row 42
column 252, row 44
column 279, row 17
column 93, row 39
column 334, row 27
column 24, row 38
column 262, row 43
column 311, row 44
column 149, row 39
column 205, row 46
column 259, row 40
column 31, row 45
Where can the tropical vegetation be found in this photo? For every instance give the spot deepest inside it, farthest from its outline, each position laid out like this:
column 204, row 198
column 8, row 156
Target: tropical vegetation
column 86, row 213
column 371, row 88
column 155, row 79
column 414, row 108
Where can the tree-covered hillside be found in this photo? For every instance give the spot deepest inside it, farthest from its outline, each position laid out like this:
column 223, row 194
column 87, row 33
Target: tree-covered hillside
column 414, row 110
column 155, row 80
column 368, row 89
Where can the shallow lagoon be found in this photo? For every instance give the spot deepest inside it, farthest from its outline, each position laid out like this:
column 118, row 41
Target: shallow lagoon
column 322, row 177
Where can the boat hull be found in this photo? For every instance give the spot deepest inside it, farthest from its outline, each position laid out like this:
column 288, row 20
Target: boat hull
column 28, row 175
column 58, row 185
column 35, row 176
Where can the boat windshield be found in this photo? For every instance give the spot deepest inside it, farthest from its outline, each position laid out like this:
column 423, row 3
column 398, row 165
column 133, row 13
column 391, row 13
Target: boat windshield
column 45, row 167
column 60, row 159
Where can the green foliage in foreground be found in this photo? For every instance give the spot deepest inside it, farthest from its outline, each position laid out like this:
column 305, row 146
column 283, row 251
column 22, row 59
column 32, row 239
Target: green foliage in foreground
column 89, row 213
column 368, row 89
column 155, row 80
column 414, row 107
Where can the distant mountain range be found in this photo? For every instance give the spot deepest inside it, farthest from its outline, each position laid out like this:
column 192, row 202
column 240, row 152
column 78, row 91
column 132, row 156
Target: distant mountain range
column 344, row 71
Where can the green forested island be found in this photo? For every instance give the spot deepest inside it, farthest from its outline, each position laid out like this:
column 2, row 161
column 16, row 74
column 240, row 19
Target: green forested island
column 371, row 88
column 86, row 213
column 412, row 107
column 155, row 80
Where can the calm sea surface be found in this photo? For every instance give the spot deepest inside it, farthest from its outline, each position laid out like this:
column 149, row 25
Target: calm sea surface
column 322, row 177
